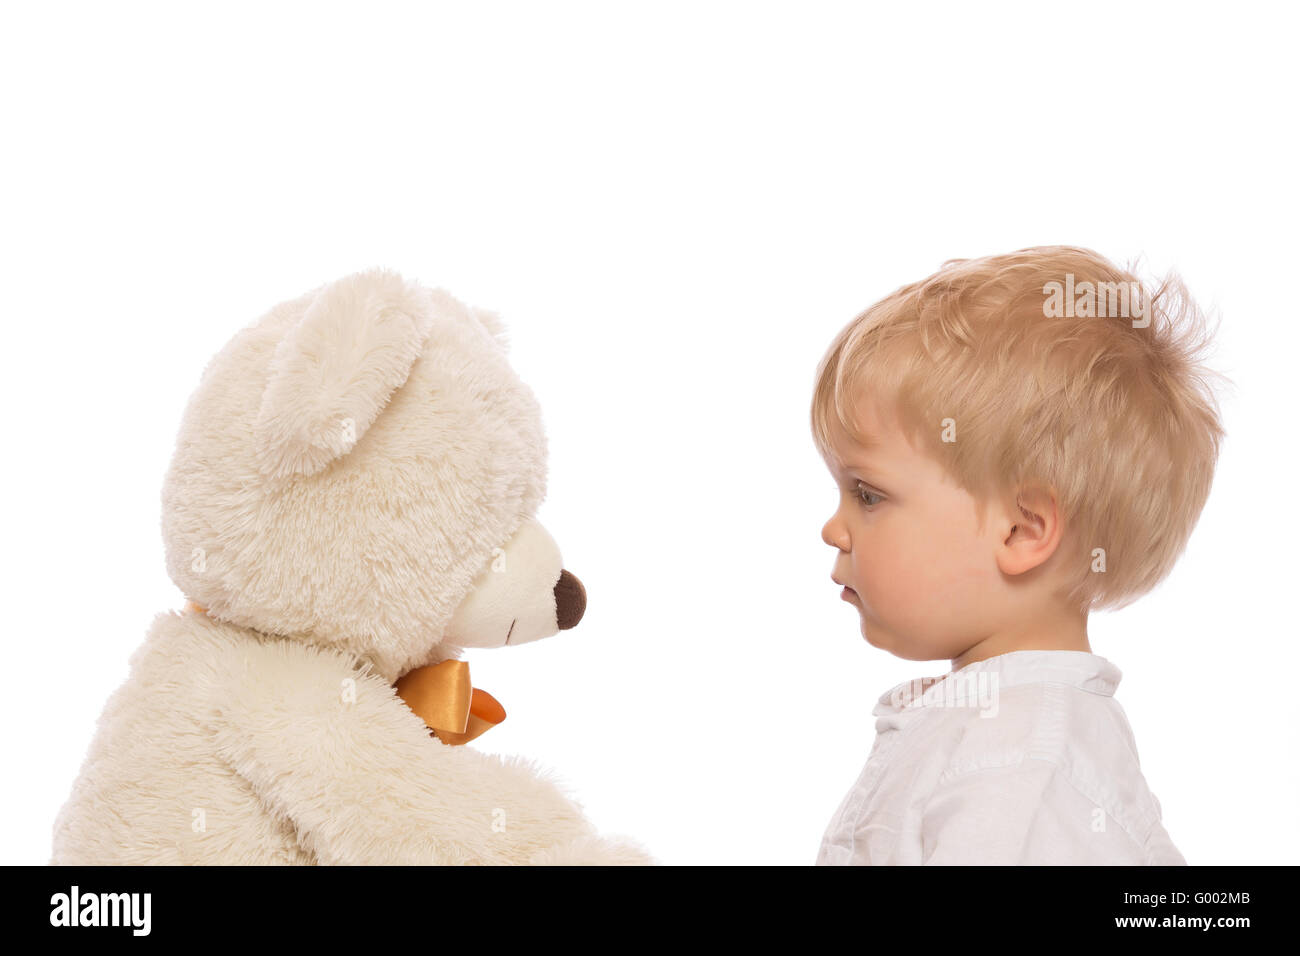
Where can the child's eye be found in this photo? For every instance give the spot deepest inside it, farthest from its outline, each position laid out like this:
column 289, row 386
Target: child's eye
column 868, row 497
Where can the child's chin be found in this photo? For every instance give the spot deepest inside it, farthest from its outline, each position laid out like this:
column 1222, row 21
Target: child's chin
column 883, row 640
column 872, row 635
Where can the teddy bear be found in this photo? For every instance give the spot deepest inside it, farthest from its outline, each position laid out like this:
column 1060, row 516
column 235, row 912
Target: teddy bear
column 351, row 503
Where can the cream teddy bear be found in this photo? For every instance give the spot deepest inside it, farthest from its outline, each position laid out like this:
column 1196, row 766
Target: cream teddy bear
column 351, row 502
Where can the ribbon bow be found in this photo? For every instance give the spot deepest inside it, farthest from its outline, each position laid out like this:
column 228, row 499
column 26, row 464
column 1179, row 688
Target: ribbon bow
column 441, row 695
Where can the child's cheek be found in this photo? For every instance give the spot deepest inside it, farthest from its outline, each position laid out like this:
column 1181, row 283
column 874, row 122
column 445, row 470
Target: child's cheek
column 896, row 575
column 910, row 569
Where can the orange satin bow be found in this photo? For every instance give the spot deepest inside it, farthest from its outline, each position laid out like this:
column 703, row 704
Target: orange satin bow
column 441, row 695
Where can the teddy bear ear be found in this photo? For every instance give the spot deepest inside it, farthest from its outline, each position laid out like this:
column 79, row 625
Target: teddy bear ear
column 337, row 368
column 492, row 322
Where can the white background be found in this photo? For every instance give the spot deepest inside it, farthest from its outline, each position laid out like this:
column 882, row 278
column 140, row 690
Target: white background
column 674, row 207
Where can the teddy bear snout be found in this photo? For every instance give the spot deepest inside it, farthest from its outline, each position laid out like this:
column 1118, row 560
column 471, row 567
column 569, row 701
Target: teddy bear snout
column 570, row 600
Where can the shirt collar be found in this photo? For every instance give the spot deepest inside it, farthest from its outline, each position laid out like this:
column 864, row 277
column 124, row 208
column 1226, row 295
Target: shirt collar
column 975, row 682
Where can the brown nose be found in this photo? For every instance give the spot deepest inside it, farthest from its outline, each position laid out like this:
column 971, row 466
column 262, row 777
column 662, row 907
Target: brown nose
column 570, row 600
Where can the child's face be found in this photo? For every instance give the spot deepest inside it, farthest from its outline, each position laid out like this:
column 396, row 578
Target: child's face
column 922, row 574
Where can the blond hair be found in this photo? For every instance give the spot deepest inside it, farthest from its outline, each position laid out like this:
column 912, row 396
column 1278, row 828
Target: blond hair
column 1009, row 356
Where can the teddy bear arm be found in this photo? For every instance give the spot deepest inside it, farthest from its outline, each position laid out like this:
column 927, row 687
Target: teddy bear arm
column 594, row 851
column 341, row 757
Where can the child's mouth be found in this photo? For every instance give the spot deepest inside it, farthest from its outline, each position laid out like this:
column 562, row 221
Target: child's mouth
column 848, row 594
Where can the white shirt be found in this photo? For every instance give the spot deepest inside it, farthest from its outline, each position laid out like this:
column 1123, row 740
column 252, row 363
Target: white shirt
column 1024, row 758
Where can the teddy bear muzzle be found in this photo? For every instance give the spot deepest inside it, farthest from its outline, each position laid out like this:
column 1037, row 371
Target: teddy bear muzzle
column 523, row 594
column 570, row 600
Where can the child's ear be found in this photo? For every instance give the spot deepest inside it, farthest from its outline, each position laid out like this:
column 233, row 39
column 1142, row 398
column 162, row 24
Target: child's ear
column 1031, row 530
column 337, row 368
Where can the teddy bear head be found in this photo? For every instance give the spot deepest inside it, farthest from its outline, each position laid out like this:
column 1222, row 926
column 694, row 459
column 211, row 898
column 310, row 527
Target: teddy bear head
column 361, row 469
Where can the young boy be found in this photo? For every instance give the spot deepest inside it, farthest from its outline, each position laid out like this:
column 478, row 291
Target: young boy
column 1017, row 440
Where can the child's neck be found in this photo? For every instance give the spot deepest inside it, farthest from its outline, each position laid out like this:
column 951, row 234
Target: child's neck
column 1055, row 629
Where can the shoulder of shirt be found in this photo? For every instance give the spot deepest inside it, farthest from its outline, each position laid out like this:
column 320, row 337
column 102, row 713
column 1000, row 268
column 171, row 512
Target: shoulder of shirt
column 1044, row 730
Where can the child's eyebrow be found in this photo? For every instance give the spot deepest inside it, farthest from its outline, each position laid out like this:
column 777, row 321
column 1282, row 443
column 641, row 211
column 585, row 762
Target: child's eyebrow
column 866, row 469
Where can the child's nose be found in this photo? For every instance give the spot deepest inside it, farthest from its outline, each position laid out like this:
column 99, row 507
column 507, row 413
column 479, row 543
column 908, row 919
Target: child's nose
column 834, row 534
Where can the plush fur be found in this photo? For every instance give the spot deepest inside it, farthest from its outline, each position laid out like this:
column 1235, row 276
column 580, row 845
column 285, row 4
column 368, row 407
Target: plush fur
column 344, row 476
